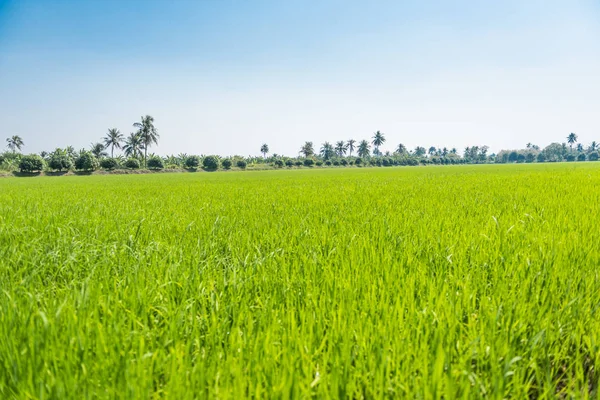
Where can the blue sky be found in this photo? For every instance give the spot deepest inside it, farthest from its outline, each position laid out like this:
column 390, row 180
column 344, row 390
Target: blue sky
column 225, row 76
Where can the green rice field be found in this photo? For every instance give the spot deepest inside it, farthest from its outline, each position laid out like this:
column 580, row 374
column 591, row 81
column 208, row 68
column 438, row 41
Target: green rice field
column 432, row 282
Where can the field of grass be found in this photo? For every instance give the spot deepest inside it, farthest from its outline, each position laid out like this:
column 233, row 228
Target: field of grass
column 467, row 281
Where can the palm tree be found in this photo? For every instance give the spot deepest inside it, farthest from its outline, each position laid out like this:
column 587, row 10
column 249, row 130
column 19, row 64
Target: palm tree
column 454, row 151
column 15, row 143
column 133, row 145
column 327, row 151
column 420, row 151
column 593, row 146
column 148, row 134
column 431, row 150
column 529, row 145
column 364, row 149
column 97, row 149
column 401, row 149
column 340, row 148
column 113, row 139
column 264, row 149
column 350, row 145
column 378, row 140
column 580, row 147
column 572, row 139
column 307, row 149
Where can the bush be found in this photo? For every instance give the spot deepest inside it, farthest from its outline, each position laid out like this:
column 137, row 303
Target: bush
column 571, row 157
column 336, row 163
column 289, row 163
column 541, row 157
column 309, row 162
column 211, row 163
column 155, row 163
column 344, row 162
column 31, row 163
column 351, row 162
column 581, row 157
column 241, row 164
column 358, row 161
column 58, row 162
column 192, row 162
column 109, row 164
column 279, row 163
column 328, row 163
column 593, row 156
column 319, row 163
column 86, row 162
column 132, row 163
column 226, row 163
column 298, row 163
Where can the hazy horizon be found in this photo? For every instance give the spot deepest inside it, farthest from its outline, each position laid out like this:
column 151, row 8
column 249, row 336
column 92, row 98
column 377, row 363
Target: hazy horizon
column 223, row 77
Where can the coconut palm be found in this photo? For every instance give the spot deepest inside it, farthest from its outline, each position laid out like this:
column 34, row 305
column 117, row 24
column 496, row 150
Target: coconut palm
column 133, row 145
column 572, row 139
column 264, row 149
column 15, row 143
column 378, row 140
column 593, row 146
column 327, row 151
column 350, row 144
column 364, row 149
column 340, row 148
column 148, row 134
column 97, row 149
column 419, row 151
column 579, row 147
column 401, row 149
column 431, row 150
column 307, row 149
column 113, row 139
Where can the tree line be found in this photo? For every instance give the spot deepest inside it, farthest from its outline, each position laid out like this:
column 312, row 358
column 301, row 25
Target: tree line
column 134, row 154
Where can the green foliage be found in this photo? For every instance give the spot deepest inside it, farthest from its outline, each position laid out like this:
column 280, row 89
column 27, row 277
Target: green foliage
column 309, row 162
column 86, row 161
column 298, row 163
column 593, row 156
column 581, row 157
column 211, row 163
column 241, row 164
column 109, row 164
column 571, row 157
column 319, row 163
column 289, row 163
column 226, row 163
column 192, row 162
column 279, row 163
column 358, row 161
column 31, row 163
column 155, row 163
column 422, row 283
column 328, row 163
column 132, row 163
column 60, row 161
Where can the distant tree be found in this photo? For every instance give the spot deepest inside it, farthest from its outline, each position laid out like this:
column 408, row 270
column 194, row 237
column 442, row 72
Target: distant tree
column 431, row 151
column 210, row 163
column 419, row 151
column 132, row 163
column 86, row 161
column 155, row 163
column 529, row 145
column 241, row 164
column 453, row 151
column 579, row 147
column 364, row 149
column 572, row 139
column 264, row 149
column 113, row 139
column 97, row 150
column 401, row 149
column 378, row 140
column 31, row 163
column 15, row 143
column 593, row 146
column 191, row 162
column 148, row 134
column 109, row 163
column 327, row 151
column 227, row 163
column 340, row 148
column 593, row 156
column 133, row 145
column 307, row 149
column 350, row 144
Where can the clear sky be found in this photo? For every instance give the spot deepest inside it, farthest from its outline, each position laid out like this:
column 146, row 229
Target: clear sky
column 225, row 76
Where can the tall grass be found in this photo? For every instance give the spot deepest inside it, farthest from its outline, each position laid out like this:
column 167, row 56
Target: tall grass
column 478, row 281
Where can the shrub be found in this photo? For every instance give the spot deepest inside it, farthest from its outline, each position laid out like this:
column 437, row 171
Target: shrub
column 328, row 163
column 31, row 163
column 211, row 163
column 279, row 163
column 541, row 157
column 593, row 156
column 58, row 162
column 241, row 164
column 86, row 162
column 155, row 163
column 358, row 161
column 571, row 157
column 192, row 162
column 109, row 164
column 319, row 163
column 226, row 163
column 132, row 163
column 344, row 162
column 309, row 162
column 351, row 162
column 298, row 163
column 336, row 163
column 581, row 157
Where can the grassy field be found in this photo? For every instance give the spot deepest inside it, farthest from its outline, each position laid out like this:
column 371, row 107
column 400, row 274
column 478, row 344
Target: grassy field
column 467, row 281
